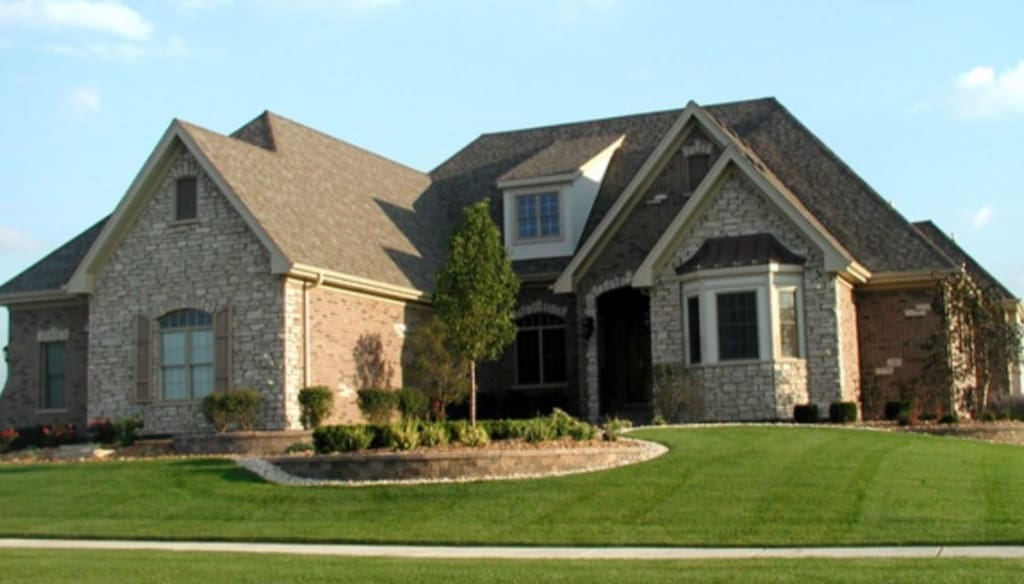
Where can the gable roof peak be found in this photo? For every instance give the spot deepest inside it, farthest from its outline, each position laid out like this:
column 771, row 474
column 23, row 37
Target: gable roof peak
column 259, row 132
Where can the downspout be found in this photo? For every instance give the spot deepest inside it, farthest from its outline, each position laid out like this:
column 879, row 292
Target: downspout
column 306, row 365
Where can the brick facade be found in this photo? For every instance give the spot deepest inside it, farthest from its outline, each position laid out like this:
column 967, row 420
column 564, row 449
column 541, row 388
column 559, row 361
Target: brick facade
column 20, row 402
column 162, row 265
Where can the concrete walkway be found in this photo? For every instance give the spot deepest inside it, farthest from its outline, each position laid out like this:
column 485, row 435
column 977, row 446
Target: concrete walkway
column 520, row 553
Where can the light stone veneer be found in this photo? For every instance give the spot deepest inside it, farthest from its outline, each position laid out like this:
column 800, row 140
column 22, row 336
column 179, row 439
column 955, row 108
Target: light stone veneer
column 161, row 266
column 763, row 390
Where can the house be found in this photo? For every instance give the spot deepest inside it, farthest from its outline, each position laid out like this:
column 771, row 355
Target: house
column 725, row 238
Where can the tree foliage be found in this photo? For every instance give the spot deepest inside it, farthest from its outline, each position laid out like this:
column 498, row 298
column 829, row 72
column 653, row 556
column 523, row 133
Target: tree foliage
column 434, row 369
column 476, row 292
column 980, row 345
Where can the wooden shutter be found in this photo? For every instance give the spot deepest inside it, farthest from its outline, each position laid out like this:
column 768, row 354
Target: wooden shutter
column 222, row 349
column 142, row 360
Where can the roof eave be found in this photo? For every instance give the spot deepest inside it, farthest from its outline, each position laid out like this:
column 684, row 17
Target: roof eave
column 357, row 283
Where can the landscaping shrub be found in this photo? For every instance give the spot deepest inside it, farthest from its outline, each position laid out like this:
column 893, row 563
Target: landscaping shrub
column 299, row 447
column 806, row 414
column 1011, row 408
column 928, row 416
column 560, row 422
column 893, row 409
column 433, row 434
column 328, row 439
column 413, row 404
column 613, row 428
column 842, row 412
column 989, row 416
column 907, row 418
column 378, row 405
column 582, row 431
column 238, row 407
column 378, row 435
column 659, row 421
column 56, row 434
column 540, row 430
column 949, row 419
column 462, row 433
column 315, row 405
column 402, row 436
column 434, row 370
column 126, row 430
column 8, row 436
column 101, row 430
column 498, row 429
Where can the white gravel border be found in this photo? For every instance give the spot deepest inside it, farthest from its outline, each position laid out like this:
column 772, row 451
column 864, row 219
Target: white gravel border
column 274, row 474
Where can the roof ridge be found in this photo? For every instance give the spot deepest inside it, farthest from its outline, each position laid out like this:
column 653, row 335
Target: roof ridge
column 271, row 115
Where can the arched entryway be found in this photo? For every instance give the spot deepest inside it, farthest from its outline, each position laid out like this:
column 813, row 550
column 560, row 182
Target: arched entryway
column 624, row 353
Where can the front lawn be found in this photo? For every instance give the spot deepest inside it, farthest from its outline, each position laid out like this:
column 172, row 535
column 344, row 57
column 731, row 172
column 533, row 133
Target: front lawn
column 730, row 486
column 84, row 567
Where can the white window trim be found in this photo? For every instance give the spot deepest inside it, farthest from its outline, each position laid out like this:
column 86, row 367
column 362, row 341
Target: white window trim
column 516, row 195
column 765, row 281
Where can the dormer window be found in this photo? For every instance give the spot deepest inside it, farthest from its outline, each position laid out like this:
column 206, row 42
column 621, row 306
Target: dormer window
column 697, row 166
column 538, row 216
column 185, row 200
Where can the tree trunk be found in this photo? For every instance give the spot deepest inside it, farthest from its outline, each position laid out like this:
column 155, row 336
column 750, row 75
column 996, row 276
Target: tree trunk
column 472, row 393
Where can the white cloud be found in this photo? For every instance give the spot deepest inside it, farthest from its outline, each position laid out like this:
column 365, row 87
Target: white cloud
column 100, row 51
column 200, row 5
column 15, row 241
column 103, row 16
column 84, row 100
column 981, row 217
column 983, row 92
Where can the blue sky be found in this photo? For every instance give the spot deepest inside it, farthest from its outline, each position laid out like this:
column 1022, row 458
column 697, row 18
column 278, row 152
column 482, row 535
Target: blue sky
column 925, row 100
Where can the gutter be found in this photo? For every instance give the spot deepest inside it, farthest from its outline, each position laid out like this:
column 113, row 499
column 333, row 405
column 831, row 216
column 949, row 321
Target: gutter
column 307, row 366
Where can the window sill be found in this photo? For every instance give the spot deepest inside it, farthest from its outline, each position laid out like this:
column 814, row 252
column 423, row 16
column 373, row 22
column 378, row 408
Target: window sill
column 176, row 402
column 533, row 240
column 52, row 411
column 183, row 222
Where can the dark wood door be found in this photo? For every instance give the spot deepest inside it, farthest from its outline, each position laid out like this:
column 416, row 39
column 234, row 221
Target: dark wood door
column 624, row 349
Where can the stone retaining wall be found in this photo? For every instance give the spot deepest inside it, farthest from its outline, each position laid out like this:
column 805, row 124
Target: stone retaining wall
column 239, row 442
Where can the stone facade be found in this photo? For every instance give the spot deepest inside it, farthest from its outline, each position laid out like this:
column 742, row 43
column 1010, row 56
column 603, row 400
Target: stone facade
column 738, row 209
column 162, row 265
column 749, row 391
column 893, row 328
column 338, row 320
column 20, row 402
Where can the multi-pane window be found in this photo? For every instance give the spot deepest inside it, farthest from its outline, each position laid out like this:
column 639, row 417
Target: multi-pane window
column 538, row 216
column 185, row 199
column 693, row 328
column 737, row 326
column 186, row 354
column 789, row 337
column 53, row 360
column 697, row 166
column 540, row 350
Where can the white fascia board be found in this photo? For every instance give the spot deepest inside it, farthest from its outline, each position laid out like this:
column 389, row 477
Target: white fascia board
column 534, row 181
column 357, row 283
column 837, row 259
column 40, row 297
column 630, row 195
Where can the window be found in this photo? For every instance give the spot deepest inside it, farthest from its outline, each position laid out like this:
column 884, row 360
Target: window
column 737, row 326
column 540, row 350
column 185, row 201
column 789, row 337
column 693, row 328
column 538, row 216
column 186, row 355
column 697, row 166
column 53, row 357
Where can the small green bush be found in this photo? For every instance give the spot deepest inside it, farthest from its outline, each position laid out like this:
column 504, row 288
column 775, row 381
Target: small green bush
column 299, row 447
column 928, row 416
column 8, row 436
column 433, row 434
column 101, row 430
column 463, row 433
column 403, row 436
column 328, row 439
column 413, row 404
column 806, row 414
column 126, row 430
column 907, row 418
column 949, row 419
column 560, row 423
column 315, row 405
column 238, row 407
column 540, row 430
column 842, row 412
column 613, row 428
column 497, row 429
column 989, row 416
column 582, row 431
column 378, row 405
column 893, row 409
column 659, row 420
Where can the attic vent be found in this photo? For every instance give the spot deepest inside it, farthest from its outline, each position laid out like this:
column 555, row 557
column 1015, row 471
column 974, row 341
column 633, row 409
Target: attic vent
column 698, row 147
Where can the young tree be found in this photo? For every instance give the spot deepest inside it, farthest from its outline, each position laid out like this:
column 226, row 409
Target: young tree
column 434, row 370
column 476, row 293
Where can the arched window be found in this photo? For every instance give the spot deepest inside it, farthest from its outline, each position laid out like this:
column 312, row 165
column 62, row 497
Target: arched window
column 186, row 355
column 540, row 350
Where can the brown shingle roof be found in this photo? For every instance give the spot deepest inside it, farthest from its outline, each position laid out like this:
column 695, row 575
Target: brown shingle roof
column 327, row 203
column 739, row 251
column 53, row 271
column 561, row 157
column 959, row 257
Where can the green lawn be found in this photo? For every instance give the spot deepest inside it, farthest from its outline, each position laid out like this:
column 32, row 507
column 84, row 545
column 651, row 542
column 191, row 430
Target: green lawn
column 103, row 567
column 735, row 486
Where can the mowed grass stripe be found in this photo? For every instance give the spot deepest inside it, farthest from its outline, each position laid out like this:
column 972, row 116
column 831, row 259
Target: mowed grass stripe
column 725, row 486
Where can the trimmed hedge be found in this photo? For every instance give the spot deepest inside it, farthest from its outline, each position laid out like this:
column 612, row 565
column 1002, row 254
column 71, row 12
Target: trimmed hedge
column 806, row 414
column 315, row 405
column 894, row 409
column 378, row 405
column 238, row 407
column 329, row 439
column 842, row 412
